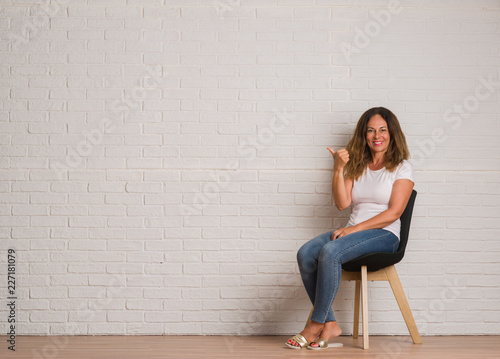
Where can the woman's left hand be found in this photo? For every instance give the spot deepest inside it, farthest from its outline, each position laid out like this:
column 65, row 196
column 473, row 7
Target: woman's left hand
column 343, row 232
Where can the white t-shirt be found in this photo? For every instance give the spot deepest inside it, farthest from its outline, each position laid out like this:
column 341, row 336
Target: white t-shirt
column 371, row 193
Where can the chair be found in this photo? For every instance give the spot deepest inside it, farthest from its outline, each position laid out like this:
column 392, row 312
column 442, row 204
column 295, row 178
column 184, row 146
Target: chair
column 380, row 267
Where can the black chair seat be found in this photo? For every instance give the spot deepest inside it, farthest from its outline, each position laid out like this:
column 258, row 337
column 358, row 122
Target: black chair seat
column 379, row 260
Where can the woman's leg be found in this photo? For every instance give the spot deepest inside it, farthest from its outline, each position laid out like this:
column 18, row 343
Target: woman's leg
column 331, row 257
column 307, row 259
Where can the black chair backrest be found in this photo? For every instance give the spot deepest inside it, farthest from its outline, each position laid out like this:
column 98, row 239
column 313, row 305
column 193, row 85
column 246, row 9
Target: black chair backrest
column 405, row 223
column 379, row 260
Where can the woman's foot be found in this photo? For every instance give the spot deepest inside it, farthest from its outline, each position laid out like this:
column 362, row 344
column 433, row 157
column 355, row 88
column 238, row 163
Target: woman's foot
column 310, row 332
column 331, row 330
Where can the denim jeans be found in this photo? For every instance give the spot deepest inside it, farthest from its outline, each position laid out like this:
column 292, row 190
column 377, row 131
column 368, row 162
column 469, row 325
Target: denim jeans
column 320, row 263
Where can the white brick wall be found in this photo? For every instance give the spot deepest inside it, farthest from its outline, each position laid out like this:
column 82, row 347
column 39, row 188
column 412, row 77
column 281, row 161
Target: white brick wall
column 163, row 160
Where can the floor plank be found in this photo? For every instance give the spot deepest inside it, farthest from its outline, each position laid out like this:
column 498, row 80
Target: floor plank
column 242, row 347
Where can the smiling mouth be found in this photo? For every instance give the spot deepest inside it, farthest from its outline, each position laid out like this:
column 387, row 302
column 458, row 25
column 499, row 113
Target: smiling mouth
column 377, row 143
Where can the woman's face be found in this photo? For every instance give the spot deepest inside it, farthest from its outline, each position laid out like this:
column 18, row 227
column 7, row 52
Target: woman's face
column 377, row 134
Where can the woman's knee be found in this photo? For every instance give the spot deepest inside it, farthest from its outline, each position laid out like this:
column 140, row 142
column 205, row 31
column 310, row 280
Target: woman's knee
column 303, row 252
column 330, row 251
column 311, row 249
column 307, row 255
column 307, row 261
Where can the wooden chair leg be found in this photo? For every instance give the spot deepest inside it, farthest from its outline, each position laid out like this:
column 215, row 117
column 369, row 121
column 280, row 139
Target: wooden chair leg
column 355, row 328
column 309, row 319
column 397, row 289
column 364, row 297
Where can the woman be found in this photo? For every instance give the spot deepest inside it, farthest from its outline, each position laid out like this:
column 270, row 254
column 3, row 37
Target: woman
column 374, row 174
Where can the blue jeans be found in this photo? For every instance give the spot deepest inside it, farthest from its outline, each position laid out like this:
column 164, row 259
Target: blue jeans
column 320, row 263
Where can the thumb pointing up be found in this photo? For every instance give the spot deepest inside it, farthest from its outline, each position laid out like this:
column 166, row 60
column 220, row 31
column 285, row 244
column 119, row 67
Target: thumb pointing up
column 341, row 157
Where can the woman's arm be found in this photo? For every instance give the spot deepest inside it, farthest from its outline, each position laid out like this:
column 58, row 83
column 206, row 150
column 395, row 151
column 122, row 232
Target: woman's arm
column 341, row 187
column 341, row 190
column 401, row 192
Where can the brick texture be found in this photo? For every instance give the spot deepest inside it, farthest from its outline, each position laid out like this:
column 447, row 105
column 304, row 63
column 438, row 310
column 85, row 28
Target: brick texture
column 163, row 160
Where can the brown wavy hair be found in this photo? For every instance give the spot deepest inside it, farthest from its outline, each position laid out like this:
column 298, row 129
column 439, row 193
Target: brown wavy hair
column 360, row 155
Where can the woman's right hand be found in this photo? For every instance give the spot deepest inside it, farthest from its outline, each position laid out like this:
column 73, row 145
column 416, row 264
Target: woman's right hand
column 341, row 157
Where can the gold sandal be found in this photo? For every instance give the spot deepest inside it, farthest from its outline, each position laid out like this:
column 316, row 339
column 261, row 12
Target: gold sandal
column 323, row 344
column 298, row 339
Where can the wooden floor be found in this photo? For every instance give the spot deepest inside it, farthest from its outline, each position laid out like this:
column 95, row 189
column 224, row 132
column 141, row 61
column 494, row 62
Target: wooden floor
column 241, row 347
